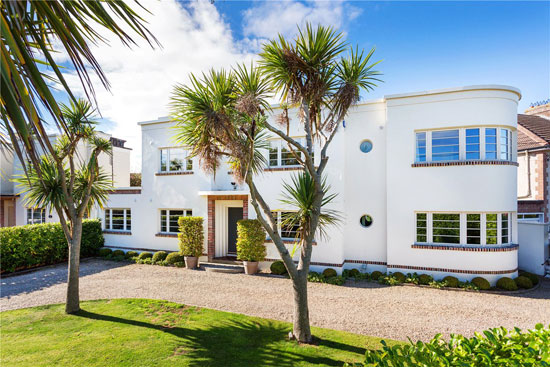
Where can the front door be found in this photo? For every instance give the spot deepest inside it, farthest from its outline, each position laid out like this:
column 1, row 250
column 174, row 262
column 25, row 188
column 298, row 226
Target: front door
column 233, row 215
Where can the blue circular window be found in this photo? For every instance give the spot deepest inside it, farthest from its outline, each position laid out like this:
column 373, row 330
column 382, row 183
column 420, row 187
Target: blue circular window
column 366, row 146
column 365, row 220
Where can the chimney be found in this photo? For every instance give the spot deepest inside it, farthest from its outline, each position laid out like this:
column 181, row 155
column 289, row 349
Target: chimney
column 541, row 109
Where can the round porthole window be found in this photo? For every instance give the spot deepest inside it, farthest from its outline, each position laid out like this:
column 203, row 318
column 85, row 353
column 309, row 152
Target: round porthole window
column 366, row 146
column 366, row 220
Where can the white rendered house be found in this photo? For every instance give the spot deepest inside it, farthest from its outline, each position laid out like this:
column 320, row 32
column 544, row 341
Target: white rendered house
column 426, row 183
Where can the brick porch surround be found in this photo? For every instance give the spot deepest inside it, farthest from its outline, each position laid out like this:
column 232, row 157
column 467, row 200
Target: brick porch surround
column 212, row 218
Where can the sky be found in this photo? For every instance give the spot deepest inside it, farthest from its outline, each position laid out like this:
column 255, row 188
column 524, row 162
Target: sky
column 422, row 45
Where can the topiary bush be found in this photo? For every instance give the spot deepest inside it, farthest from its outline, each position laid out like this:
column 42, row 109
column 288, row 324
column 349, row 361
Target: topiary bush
column 278, row 268
column 191, row 236
column 481, row 283
column 451, row 281
column 523, row 282
column 353, row 272
column 375, row 275
column 145, row 255
column 425, row 279
column 400, row 277
column 329, row 273
column 29, row 246
column 104, row 252
column 159, row 256
column 250, row 240
column 173, row 258
column 507, row 284
column 118, row 253
column 131, row 254
column 533, row 277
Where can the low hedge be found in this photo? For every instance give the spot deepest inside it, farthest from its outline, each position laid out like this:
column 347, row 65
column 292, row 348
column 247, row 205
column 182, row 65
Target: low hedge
column 375, row 275
column 104, row 252
column 278, row 268
column 145, row 255
column 507, row 284
column 481, row 283
column 425, row 279
column 400, row 277
column 534, row 278
column 117, row 253
column 494, row 347
column 523, row 282
column 24, row 247
column 174, row 257
column 451, row 281
column 329, row 273
column 159, row 256
column 131, row 254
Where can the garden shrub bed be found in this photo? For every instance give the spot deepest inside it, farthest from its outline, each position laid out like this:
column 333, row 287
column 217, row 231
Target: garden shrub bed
column 161, row 258
column 30, row 246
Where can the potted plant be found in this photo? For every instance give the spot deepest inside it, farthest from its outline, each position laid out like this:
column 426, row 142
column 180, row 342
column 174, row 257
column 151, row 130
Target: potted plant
column 250, row 244
column 191, row 239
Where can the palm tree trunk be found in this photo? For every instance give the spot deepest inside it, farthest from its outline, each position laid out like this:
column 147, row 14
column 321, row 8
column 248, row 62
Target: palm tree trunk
column 301, row 329
column 73, row 298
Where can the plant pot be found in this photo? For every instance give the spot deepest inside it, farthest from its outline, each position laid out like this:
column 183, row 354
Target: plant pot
column 250, row 267
column 191, row 262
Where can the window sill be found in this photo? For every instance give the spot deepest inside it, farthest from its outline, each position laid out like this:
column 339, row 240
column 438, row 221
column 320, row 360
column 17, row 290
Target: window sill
column 163, row 234
column 124, row 233
column 173, row 173
column 279, row 169
column 465, row 163
column 471, row 248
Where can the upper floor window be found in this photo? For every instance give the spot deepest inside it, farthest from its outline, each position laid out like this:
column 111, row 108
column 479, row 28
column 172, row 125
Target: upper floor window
column 36, row 216
column 464, row 228
column 175, row 160
column 286, row 227
column 280, row 155
column 169, row 219
column 535, row 217
column 464, row 144
column 118, row 219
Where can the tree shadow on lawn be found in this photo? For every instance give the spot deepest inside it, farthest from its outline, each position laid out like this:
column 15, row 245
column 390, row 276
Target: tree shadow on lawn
column 237, row 343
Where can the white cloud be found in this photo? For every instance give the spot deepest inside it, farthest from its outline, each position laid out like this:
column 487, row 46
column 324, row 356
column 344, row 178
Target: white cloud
column 270, row 18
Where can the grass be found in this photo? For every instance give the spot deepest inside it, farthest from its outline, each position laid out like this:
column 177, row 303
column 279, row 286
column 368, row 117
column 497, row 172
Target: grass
column 140, row 332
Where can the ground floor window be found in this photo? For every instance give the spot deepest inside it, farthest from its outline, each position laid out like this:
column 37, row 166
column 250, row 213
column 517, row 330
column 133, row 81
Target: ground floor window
column 531, row 217
column 286, row 226
column 36, row 216
column 464, row 228
column 118, row 219
column 169, row 219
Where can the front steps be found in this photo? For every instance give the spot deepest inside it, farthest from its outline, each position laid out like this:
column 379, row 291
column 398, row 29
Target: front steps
column 223, row 266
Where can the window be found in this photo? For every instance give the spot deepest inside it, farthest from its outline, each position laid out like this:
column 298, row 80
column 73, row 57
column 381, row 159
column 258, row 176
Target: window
column 472, row 144
column 421, row 227
column 421, row 147
column 365, row 220
column 36, row 216
column 445, row 145
column 285, row 226
column 118, row 219
column 534, row 217
column 446, row 228
column 280, row 154
column 505, row 144
column 169, row 219
column 491, row 143
column 464, row 228
column 175, row 160
column 365, row 146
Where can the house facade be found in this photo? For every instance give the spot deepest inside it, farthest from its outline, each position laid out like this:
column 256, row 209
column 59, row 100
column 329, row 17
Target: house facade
column 426, row 182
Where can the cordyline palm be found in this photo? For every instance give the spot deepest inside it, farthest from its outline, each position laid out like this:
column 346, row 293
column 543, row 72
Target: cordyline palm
column 221, row 114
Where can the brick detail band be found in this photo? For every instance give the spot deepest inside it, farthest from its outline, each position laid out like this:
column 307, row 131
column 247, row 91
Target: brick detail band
column 505, row 248
column 443, row 270
column 277, row 169
column 124, row 233
column 288, row 241
column 173, row 173
column 171, row 235
column 125, row 191
column 465, row 163
column 336, row 265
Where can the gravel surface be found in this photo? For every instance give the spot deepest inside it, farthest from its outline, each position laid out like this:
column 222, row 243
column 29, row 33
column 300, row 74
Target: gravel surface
column 366, row 308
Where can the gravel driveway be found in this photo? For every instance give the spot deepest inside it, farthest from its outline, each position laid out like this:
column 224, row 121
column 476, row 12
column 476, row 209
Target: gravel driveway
column 389, row 312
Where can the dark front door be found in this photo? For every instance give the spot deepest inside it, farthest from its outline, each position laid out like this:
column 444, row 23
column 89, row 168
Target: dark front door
column 233, row 215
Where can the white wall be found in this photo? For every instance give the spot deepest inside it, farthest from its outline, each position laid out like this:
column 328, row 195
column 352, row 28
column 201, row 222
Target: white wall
column 533, row 246
column 527, row 177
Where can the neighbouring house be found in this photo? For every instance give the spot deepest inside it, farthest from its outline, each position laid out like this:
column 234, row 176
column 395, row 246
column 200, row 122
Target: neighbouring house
column 13, row 210
column 426, row 182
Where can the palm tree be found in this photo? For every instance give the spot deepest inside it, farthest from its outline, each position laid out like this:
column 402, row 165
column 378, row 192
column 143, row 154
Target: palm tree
column 222, row 115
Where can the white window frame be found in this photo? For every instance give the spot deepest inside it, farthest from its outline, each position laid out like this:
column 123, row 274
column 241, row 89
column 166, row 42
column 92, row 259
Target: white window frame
column 33, row 212
column 539, row 218
column 127, row 218
column 278, row 218
column 186, row 213
column 463, row 229
column 279, row 144
column 168, row 168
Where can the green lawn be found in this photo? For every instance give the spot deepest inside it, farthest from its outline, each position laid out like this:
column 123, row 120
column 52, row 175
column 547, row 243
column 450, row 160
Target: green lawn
column 138, row 332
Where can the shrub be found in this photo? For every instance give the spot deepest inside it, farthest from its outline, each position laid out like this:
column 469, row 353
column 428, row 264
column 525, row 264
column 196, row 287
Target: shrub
column 481, row 283
column 24, row 247
column 191, row 236
column 159, row 256
column 490, row 348
column 131, row 254
column 329, row 272
column 145, row 255
column 451, row 281
column 533, row 277
column 354, row 272
column 118, row 253
column 375, row 275
column 250, row 240
column 278, row 267
column 412, row 278
column 104, row 252
column 523, row 282
column 507, row 284
column 400, row 277
column 173, row 258
column 336, row 280
column 425, row 279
